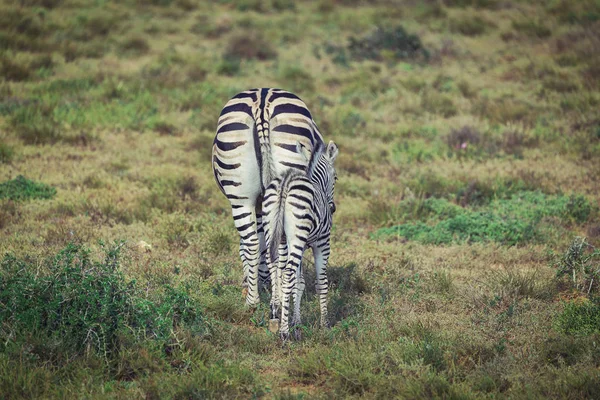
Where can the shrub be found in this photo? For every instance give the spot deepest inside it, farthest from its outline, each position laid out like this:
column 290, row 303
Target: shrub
column 84, row 306
column 22, row 188
column 249, row 45
column 396, row 43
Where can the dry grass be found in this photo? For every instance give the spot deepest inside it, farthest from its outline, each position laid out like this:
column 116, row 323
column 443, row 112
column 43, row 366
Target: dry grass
column 115, row 107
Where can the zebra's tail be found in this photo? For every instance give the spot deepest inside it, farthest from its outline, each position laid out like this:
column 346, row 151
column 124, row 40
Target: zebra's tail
column 274, row 204
column 275, row 219
column 263, row 130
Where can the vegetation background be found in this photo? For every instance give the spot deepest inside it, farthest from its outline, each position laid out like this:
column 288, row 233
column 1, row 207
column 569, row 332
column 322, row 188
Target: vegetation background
column 469, row 139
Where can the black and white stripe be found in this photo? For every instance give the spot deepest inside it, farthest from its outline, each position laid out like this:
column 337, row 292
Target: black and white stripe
column 298, row 209
column 255, row 142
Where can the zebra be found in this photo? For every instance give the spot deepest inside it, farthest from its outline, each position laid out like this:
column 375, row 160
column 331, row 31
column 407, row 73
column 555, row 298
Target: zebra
column 256, row 138
column 298, row 209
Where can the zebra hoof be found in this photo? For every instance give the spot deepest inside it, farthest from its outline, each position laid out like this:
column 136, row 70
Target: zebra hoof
column 297, row 334
column 273, row 325
column 285, row 336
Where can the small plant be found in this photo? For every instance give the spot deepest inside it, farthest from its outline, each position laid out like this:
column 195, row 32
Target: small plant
column 21, row 188
column 580, row 265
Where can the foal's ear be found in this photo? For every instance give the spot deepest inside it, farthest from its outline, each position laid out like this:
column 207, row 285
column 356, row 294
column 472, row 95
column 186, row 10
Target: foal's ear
column 332, row 151
column 303, row 151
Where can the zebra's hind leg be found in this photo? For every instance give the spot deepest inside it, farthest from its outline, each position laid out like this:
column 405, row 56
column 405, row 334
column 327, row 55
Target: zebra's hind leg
column 277, row 269
column 244, row 218
column 245, row 268
column 296, row 319
column 264, row 274
column 288, row 287
column 289, row 278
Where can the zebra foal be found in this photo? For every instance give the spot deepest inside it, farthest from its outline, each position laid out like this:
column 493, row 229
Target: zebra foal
column 255, row 142
column 298, row 210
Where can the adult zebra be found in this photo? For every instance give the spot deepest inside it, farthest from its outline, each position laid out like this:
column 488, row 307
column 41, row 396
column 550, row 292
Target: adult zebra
column 255, row 142
column 299, row 207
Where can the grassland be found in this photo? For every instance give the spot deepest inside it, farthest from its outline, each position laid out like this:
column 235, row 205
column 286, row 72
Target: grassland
column 469, row 138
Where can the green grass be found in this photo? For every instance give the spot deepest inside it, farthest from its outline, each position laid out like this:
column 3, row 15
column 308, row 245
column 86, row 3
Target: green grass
column 508, row 221
column 21, row 188
column 468, row 136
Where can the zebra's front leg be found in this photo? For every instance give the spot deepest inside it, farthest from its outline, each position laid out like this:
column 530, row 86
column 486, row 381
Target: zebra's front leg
column 321, row 251
column 296, row 319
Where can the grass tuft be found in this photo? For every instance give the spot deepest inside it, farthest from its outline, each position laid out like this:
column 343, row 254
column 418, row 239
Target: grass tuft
column 580, row 266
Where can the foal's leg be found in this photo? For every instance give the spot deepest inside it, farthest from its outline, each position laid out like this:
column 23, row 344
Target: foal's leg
column 321, row 251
